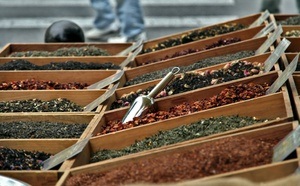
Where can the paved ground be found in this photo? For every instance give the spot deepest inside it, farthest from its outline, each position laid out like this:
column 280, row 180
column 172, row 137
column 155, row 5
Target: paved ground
column 26, row 21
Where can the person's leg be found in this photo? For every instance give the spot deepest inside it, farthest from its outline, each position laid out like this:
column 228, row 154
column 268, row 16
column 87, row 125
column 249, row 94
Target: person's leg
column 105, row 20
column 271, row 5
column 131, row 18
column 298, row 5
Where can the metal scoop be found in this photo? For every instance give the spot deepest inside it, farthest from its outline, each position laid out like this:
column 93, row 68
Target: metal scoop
column 141, row 104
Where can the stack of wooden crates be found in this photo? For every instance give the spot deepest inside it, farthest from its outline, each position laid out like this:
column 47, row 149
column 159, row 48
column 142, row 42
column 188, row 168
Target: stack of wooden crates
column 281, row 108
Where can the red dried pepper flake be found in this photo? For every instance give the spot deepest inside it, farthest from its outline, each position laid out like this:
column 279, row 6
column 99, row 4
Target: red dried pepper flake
column 231, row 94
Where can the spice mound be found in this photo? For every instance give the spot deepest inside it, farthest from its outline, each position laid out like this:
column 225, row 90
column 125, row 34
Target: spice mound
column 71, row 51
column 21, row 64
column 195, row 36
column 207, row 159
column 292, row 33
column 40, row 129
column 15, row 159
column 231, row 94
column 294, row 20
column 197, row 79
column 37, row 105
column 201, row 128
column 33, row 84
column 197, row 65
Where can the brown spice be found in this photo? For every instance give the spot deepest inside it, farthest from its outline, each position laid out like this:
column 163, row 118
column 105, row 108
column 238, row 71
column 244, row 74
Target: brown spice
column 231, row 94
column 208, row 159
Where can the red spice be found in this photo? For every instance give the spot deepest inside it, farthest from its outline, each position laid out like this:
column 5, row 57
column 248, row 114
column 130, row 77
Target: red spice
column 231, row 94
column 32, row 84
column 208, row 159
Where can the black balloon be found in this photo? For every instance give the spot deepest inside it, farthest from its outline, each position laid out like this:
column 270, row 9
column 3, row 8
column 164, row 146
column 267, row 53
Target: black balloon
column 64, row 31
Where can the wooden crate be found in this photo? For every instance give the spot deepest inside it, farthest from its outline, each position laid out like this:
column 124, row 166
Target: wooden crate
column 200, row 45
column 80, row 97
column 60, row 76
column 46, row 60
column 247, row 20
column 112, row 49
column 126, row 90
column 252, row 44
column 36, row 177
column 258, row 174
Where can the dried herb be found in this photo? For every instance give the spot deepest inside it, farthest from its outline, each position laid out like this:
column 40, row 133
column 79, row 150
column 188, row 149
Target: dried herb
column 200, row 64
column 37, row 105
column 231, row 94
column 71, row 51
column 21, row 64
column 294, row 20
column 292, row 33
column 15, row 159
column 40, row 129
column 32, row 84
column 221, row 42
column 194, row 80
column 201, row 128
column 195, row 36
column 220, row 156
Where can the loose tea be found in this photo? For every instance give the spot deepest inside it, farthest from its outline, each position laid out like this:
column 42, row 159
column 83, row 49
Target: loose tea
column 231, row 94
column 217, row 157
column 292, row 33
column 15, row 159
column 71, row 51
column 294, row 20
column 221, row 42
column 21, row 64
column 201, row 128
column 200, row 64
column 32, row 84
column 40, row 129
column 195, row 35
column 197, row 79
column 37, row 105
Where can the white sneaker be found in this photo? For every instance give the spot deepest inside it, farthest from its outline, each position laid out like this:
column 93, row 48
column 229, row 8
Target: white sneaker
column 124, row 39
column 96, row 33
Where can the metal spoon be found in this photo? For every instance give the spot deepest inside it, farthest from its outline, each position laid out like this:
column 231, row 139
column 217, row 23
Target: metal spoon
column 141, row 104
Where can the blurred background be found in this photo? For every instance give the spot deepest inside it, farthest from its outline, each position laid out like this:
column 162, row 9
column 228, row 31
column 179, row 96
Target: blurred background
column 25, row 21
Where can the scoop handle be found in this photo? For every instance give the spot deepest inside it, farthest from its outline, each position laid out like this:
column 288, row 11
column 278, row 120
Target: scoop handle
column 164, row 82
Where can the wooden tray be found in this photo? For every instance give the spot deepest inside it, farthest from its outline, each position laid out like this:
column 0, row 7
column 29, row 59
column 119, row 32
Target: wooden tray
column 66, row 119
column 247, row 20
column 112, row 49
column 37, row 177
column 80, row 97
column 60, row 76
column 200, row 45
column 86, row 59
column 254, row 173
column 281, row 17
column 126, row 90
column 252, row 44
